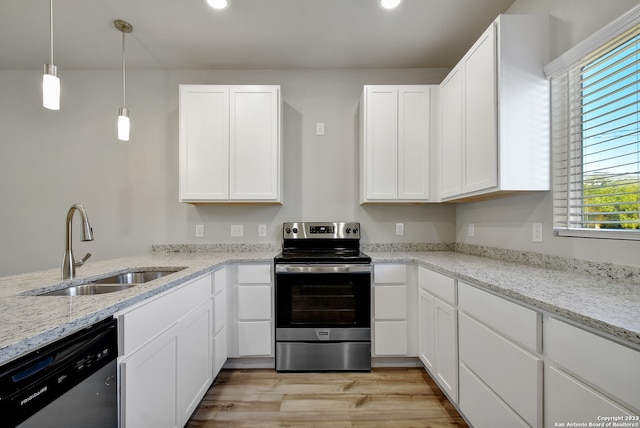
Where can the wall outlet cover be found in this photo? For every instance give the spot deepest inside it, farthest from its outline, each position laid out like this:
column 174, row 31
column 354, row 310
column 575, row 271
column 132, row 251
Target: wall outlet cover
column 237, row 230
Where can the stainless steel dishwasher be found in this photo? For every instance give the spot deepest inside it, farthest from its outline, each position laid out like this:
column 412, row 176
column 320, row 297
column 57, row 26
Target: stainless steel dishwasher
column 69, row 383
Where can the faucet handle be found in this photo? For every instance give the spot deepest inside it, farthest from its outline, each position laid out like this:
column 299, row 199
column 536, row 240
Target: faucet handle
column 84, row 259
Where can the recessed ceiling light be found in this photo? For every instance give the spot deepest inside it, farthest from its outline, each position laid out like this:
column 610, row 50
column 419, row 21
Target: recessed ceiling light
column 389, row 4
column 217, row 4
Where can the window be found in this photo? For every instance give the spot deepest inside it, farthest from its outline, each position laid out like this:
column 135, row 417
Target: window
column 595, row 121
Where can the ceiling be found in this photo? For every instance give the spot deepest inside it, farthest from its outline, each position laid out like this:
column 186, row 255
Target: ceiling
column 249, row 34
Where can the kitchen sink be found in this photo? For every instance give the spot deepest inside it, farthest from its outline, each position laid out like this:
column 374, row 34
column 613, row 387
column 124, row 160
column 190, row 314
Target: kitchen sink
column 113, row 283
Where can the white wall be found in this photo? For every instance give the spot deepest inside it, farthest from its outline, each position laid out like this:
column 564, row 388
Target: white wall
column 50, row 160
column 507, row 223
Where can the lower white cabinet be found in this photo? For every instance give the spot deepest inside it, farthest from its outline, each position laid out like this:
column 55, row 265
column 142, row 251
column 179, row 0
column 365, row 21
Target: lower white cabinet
column 252, row 311
column 394, row 311
column 588, row 376
column 166, row 356
column 494, row 369
column 438, row 330
column 220, row 327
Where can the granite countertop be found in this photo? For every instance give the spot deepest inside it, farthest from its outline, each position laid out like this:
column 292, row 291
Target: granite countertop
column 29, row 321
column 611, row 306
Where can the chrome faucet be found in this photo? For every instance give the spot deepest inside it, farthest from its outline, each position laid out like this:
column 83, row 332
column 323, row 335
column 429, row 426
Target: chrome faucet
column 68, row 263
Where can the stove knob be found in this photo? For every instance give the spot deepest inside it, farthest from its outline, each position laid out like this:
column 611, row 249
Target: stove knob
column 295, row 230
column 288, row 230
column 348, row 230
column 355, row 230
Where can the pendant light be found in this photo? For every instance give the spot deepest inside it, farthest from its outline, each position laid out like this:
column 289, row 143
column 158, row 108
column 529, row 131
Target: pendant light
column 50, row 80
column 123, row 113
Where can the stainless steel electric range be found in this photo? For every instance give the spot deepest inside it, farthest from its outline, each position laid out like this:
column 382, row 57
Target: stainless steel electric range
column 322, row 299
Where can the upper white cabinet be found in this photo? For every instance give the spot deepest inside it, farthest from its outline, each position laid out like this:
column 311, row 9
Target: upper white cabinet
column 495, row 113
column 395, row 130
column 230, row 144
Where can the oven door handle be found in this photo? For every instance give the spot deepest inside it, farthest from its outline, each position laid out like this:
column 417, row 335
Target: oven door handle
column 323, row 268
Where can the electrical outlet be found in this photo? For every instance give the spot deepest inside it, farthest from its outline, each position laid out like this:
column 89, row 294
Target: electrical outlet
column 199, row 230
column 262, row 230
column 472, row 230
column 399, row 229
column 237, row 230
column 536, row 232
column 320, row 128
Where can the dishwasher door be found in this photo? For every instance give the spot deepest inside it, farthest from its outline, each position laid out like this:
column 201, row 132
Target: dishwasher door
column 69, row 383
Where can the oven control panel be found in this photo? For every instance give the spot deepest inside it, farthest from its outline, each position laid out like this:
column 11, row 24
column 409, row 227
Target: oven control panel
column 302, row 230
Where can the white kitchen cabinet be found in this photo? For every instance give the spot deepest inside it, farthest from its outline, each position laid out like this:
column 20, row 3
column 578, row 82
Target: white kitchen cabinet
column 494, row 107
column 166, row 355
column 394, row 311
column 438, row 329
column 395, row 133
column 496, row 363
column 588, row 376
column 252, row 316
column 230, row 144
column 219, row 329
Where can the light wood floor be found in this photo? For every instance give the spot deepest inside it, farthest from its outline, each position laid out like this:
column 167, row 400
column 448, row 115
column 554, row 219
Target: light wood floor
column 403, row 397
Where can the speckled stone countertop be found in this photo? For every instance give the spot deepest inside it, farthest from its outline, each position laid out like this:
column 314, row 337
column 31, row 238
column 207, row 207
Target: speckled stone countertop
column 28, row 321
column 611, row 306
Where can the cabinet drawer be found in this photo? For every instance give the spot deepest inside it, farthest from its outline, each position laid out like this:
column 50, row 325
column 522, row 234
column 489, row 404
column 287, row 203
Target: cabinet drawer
column 219, row 280
column 219, row 311
column 601, row 362
column 511, row 372
column 510, row 319
column 254, row 338
column 390, row 302
column 254, row 274
column 482, row 407
column 254, row 302
column 437, row 284
column 390, row 338
column 390, row 274
column 569, row 400
column 142, row 322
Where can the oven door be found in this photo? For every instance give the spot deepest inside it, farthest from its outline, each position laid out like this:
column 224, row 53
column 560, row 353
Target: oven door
column 323, row 296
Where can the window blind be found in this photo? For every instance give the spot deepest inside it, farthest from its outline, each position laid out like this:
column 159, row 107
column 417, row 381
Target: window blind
column 595, row 122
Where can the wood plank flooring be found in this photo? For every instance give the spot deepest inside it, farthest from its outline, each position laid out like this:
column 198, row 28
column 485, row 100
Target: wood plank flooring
column 385, row 397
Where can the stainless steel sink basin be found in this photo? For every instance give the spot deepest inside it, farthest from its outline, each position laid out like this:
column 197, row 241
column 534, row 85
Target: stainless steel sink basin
column 88, row 289
column 139, row 277
column 113, row 283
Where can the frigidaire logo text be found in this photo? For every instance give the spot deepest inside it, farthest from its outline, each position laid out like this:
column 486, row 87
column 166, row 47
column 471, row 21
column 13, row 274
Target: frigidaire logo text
column 34, row 395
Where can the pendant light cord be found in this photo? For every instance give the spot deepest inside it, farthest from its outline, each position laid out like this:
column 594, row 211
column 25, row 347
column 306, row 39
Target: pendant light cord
column 124, row 83
column 51, row 28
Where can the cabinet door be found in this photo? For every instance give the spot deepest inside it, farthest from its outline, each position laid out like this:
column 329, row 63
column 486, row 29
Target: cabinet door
column 446, row 325
column 254, row 151
column 195, row 358
column 452, row 134
column 149, row 379
column 427, row 331
column 381, row 142
column 204, row 143
column 414, row 114
column 481, row 116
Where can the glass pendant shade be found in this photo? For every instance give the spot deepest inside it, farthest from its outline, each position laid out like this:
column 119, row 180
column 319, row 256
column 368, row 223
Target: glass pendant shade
column 123, row 124
column 390, row 4
column 50, row 88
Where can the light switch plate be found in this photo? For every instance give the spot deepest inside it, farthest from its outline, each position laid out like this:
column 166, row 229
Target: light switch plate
column 319, row 128
column 536, row 232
